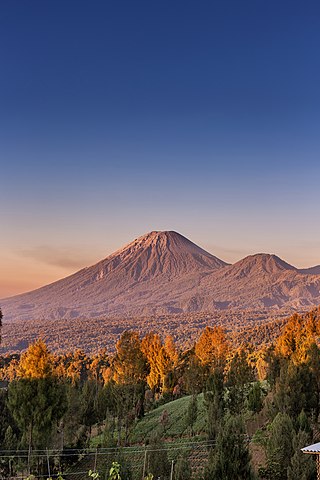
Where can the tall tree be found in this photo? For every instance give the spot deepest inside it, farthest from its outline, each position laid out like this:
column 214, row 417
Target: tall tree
column 212, row 347
column 182, row 470
column 129, row 363
column 6, row 419
column 37, row 399
column 36, row 362
column 192, row 413
column 301, row 467
column 255, row 402
column 297, row 337
column 36, row 404
column 295, row 389
column 73, row 431
column 279, row 447
column 89, row 414
column 239, row 375
column 158, row 361
column 194, row 374
column 215, row 403
column 230, row 458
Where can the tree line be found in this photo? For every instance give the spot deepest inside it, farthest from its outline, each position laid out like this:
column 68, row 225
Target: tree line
column 63, row 401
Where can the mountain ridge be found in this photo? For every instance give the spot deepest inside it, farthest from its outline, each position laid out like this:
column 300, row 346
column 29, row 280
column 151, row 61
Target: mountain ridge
column 164, row 272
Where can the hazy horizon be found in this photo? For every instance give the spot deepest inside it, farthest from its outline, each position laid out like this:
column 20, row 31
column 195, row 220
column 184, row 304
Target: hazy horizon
column 119, row 119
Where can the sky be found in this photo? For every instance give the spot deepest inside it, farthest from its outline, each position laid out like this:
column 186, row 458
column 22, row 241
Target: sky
column 121, row 117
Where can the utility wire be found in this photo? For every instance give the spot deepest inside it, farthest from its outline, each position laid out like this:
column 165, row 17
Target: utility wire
column 102, row 450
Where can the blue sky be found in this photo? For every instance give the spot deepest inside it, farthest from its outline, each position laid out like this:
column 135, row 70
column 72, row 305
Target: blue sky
column 117, row 118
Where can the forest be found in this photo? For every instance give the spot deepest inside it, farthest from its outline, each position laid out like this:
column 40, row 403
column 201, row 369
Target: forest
column 151, row 409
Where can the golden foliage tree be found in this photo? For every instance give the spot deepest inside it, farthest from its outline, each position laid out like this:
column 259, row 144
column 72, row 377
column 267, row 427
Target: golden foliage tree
column 212, row 348
column 36, row 362
column 155, row 354
column 262, row 363
column 97, row 366
column 172, row 351
column 298, row 335
column 129, row 363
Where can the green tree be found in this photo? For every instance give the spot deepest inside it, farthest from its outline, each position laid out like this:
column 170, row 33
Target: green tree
column 303, row 423
column 6, row 419
column 9, row 443
column 279, row 447
column 239, row 375
column 73, row 431
column 108, row 440
column 36, row 405
column 215, row 403
column 105, row 404
column 313, row 364
column 301, row 466
column 255, row 402
column 192, row 413
column 88, row 405
column 125, row 405
column 295, row 389
column 230, row 458
column 194, row 374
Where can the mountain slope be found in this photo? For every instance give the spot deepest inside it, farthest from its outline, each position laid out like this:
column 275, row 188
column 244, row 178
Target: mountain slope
column 263, row 281
column 136, row 278
column 311, row 271
column 163, row 272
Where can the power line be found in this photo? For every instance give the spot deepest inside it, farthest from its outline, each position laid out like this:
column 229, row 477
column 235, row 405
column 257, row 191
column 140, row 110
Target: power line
column 103, row 450
column 87, row 454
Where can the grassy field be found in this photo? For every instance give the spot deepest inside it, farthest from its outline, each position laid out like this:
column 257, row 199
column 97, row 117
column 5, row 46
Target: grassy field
column 174, row 429
column 176, row 434
column 176, row 421
column 178, row 442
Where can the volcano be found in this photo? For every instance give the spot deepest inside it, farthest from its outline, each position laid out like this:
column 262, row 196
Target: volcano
column 162, row 273
column 147, row 275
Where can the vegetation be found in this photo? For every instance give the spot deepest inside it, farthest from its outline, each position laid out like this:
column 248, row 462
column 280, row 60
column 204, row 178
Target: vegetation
column 150, row 392
column 258, row 327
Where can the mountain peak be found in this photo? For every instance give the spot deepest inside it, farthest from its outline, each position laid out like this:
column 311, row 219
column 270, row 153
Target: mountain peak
column 162, row 234
column 166, row 252
column 164, row 272
column 263, row 262
column 128, row 279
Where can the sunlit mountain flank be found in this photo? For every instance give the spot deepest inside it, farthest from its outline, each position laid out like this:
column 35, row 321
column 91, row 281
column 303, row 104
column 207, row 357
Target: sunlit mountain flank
column 163, row 273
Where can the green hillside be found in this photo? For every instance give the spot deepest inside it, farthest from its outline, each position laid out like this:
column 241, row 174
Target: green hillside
column 175, row 426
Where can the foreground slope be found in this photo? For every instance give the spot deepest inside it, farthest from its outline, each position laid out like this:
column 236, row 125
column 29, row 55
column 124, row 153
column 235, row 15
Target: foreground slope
column 163, row 272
